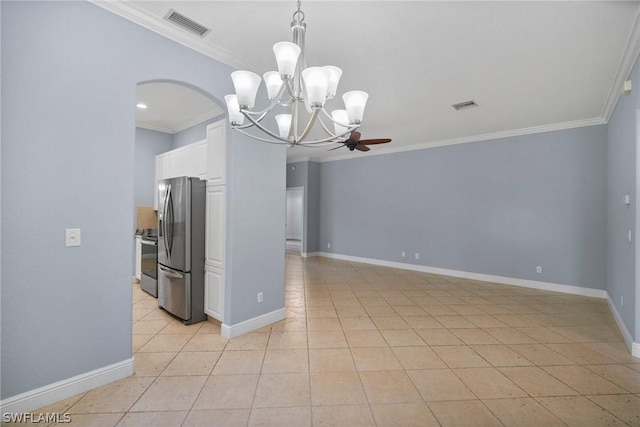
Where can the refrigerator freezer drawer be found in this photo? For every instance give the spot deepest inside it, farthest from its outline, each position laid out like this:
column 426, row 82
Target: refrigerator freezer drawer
column 174, row 292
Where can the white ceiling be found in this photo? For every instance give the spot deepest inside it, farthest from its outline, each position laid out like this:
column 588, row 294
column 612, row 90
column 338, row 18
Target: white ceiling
column 530, row 66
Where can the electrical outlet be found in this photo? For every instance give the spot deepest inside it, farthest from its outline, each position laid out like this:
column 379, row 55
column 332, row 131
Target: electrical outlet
column 328, row 245
column 404, row 254
column 260, row 297
column 621, row 300
column 539, row 269
column 417, row 255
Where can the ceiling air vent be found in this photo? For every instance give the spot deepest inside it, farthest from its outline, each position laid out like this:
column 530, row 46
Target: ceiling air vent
column 465, row 105
column 186, row 23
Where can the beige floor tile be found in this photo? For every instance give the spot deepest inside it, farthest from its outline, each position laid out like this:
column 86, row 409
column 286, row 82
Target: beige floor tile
column 227, row 392
column 583, row 380
column 149, row 327
column 239, row 362
column 365, row 338
column 159, row 419
column 439, row 337
column 321, row 312
column 282, row 390
column 544, row 335
column 455, row 321
column 474, row 336
column 380, row 311
column 170, row 394
column 296, row 324
column 578, row 411
column 389, row 387
column 537, row 382
column 192, row 363
column 137, row 341
column 331, row 360
column 285, row 361
column 177, row 327
column 464, row 309
column 88, row 420
column 514, row 320
column 390, row 322
column 579, row 353
column 485, row 321
column 509, row 336
column 210, row 327
column 489, row 383
column 118, row 396
column 59, row 407
column 616, row 351
column 540, row 354
column 402, row 338
column 459, row 356
column 323, row 324
column 287, row 340
column 403, row 414
column 326, row 339
column 375, row 359
column 437, row 309
column 265, row 417
column 357, row 323
column 205, row 342
column 152, row 364
column 464, row 413
column 422, row 322
column 620, row 375
column 337, row 388
column 217, row 418
column 421, row 357
column 624, row 406
column 500, row 355
column 250, row 341
column 343, row 416
column 523, row 412
column 165, row 343
column 439, row 385
column 344, row 312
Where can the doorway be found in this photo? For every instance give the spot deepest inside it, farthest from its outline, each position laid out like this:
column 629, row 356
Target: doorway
column 295, row 220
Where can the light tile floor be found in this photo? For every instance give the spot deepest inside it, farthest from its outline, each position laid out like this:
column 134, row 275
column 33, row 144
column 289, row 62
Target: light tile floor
column 365, row 345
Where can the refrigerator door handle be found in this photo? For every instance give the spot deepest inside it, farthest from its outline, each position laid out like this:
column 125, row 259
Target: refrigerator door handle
column 170, row 217
column 171, row 274
column 164, row 216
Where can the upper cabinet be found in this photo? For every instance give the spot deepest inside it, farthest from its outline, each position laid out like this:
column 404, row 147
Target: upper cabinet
column 217, row 153
column 190, row 160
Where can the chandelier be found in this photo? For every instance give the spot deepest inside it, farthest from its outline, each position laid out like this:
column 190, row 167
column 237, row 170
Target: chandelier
column 296, row 87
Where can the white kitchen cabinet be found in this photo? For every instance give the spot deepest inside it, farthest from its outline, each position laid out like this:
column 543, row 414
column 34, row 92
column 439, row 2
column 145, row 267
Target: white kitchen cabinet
column 217, row 153
column 214, row 293
column 190, row 160
column 215, row 250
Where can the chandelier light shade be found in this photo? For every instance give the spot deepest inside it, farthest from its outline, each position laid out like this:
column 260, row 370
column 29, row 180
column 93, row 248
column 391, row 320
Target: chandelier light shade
column 292, row 90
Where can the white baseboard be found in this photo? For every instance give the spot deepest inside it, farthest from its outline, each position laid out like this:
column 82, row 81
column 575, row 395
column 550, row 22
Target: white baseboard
column 634, row 347
column 232, row 331
column 310, row 254
column 44, row 396
column 546, row 286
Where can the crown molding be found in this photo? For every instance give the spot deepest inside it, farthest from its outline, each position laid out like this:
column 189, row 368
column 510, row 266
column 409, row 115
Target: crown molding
column 629, row 57
column 209, row 115
column 137, row 15
column 455, row 141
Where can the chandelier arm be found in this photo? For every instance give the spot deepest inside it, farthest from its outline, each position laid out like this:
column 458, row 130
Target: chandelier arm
column 264, row 129
column 350, row 128
column 307, row 130
column 263, row 139
column 326, row 129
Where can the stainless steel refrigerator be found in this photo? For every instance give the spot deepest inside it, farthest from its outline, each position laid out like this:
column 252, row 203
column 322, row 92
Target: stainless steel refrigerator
column 181, row 239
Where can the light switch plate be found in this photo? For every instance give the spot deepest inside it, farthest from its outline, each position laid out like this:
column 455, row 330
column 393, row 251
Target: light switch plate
column 72, row 237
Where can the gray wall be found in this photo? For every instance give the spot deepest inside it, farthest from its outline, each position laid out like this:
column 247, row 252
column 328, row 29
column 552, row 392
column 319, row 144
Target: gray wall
column 193, row 134
column 68, row 161
column 149, row 143
column 622, row 167
column 499, row 207
column 307, row 175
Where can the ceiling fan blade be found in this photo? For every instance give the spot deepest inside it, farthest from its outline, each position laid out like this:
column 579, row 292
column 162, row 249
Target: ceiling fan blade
column 355, row 135
column 374, row 141
column 339, row 146
column 362, row 148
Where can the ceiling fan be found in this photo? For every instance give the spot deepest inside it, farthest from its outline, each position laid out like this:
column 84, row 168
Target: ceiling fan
column 355, row 143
